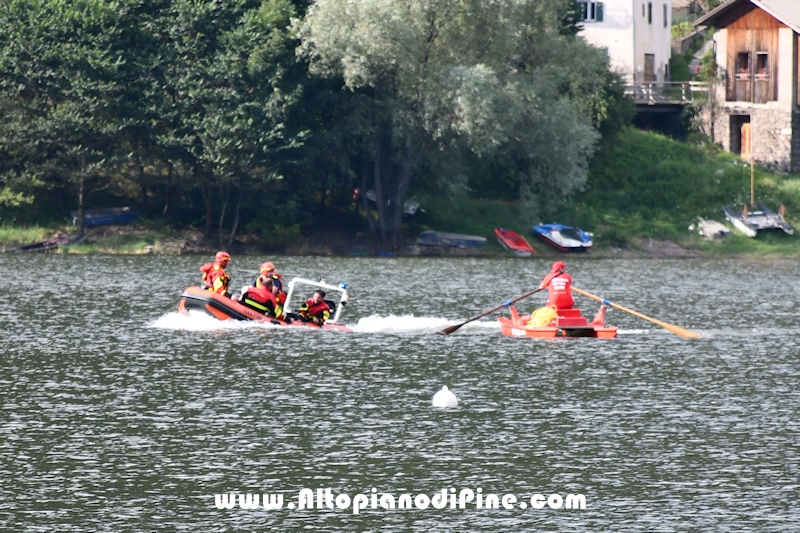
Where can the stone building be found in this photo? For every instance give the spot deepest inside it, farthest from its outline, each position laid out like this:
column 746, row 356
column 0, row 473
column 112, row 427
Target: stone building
column 755, row 109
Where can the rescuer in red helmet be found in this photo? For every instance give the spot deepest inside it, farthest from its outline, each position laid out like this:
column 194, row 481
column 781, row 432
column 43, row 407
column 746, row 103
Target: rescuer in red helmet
column 214, row 276
column 558, row 284
column 269, row 277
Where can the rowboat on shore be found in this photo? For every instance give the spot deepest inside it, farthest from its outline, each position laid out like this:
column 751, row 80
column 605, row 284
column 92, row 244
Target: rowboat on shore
column 457, row 240
column 513, row 242
column 51, row 244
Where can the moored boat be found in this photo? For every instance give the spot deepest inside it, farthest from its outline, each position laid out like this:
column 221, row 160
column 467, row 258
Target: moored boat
column 563, row 238
column 221, row 307
column 457, row 240
column 53, row 243
column 513, row 242
column 104, row 217
column 568, row 323
column 751, row 222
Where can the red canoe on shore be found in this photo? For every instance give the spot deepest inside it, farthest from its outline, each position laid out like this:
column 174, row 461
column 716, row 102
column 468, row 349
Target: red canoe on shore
column 513, row 242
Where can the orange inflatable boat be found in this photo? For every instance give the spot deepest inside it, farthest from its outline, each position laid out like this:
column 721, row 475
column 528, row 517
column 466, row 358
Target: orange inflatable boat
column 197, row 299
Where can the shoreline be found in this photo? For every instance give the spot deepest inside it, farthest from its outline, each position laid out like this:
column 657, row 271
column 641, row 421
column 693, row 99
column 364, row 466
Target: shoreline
column 138, row 240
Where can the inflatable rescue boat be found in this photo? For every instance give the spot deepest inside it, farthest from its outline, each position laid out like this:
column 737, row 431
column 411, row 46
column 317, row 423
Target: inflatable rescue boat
column 566, row 323
column 197, row 299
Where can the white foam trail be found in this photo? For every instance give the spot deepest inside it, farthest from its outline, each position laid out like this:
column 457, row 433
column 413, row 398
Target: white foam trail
column 198, row 321
column 411, row 323
column 633, row 331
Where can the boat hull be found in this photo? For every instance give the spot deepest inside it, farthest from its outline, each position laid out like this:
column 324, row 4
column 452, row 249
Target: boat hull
column 513, row 242
column 563, row 238
column 456, row 240
column 223, row 308
column 751, row 223
column 569, row 323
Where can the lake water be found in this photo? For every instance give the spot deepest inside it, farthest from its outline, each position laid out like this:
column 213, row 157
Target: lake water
column 118, row 414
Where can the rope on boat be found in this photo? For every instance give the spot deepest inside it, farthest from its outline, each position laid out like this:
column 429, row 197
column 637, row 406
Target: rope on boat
column 543, row 317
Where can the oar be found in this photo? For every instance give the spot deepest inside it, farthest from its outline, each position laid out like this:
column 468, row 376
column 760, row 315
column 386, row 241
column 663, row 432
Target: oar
column 451, row 329
column 677, row 330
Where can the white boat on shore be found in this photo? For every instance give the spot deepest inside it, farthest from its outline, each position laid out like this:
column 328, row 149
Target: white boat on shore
column 751, row 222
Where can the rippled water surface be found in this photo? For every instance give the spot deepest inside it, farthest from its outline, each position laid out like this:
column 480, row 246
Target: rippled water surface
column 118, row 414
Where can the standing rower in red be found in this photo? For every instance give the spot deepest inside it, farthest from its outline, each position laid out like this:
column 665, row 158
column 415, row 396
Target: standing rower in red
column 558, row 284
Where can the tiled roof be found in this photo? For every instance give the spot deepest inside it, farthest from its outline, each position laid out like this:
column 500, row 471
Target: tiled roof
column 787, row 11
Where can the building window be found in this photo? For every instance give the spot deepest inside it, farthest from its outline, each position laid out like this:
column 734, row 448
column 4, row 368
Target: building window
column 649, row 12
column 592, row 11
column 743, row 66
column 665, row 15
column 762, row 65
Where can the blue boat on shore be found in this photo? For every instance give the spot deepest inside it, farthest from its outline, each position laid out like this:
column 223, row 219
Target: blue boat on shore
column 563, row 238
column 438, row 238
column 105, row 217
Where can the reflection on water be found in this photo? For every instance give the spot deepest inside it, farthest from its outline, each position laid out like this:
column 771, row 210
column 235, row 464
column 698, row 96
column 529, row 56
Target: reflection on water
column 118, row 414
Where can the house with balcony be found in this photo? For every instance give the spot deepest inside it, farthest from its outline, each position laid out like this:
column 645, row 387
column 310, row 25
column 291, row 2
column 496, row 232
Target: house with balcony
column 636, row 33
column 755, row 108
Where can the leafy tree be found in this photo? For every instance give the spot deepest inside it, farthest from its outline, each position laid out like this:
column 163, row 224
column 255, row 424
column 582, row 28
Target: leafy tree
column 487, row 77
column 227, row 99
column 60, row 65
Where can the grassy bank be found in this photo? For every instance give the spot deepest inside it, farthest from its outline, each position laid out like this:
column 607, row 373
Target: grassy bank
column 645, row 186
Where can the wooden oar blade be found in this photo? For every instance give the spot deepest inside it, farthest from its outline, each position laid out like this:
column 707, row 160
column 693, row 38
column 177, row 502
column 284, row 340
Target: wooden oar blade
column 451, row 329
column 448, row 330
column 677, row 330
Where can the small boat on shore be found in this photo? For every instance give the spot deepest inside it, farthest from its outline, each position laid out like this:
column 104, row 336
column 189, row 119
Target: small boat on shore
column 513, row 242
column 563, row 238
column 51, row 244
column 104, row 217
column 197, row 299
column 567, row 323
column 710, row 229
column 439, row 238
column 751, row 222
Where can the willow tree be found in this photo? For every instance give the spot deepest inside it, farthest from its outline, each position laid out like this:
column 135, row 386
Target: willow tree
column 486, row 76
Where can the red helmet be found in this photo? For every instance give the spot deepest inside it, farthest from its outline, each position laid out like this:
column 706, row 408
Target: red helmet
column 222, row 257
column 558, row 265
column 267, row 268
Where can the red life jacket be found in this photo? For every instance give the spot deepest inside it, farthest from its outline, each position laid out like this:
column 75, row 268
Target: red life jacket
column 205, row 270
column 311, row 310
column 260, row 299
column 218, row 273
column 559, row 292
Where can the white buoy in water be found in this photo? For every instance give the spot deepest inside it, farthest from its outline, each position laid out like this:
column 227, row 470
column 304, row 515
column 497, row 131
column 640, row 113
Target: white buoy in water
column 445, row 398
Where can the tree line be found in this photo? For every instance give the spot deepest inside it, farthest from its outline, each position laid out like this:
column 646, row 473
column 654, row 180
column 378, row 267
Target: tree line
column 268, row 114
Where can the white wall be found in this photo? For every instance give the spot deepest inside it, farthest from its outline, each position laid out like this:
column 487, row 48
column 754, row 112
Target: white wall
column 615, row 34
column 652, row 38
column 627, row 36
column 785, row 67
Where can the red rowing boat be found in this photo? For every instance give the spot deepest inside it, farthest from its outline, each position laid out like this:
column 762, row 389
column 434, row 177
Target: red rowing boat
column 513, row 242
column 568, row 323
